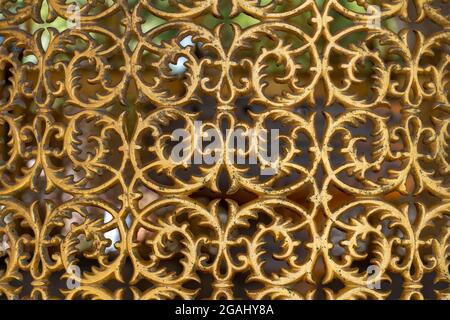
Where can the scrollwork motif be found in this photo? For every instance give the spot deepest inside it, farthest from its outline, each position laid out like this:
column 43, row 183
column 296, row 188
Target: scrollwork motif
column 96, row 193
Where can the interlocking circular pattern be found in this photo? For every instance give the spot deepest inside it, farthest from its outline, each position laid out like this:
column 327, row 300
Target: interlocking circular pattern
column 87, row 182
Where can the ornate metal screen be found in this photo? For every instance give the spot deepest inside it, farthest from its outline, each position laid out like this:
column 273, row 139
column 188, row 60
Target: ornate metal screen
column 92, row 204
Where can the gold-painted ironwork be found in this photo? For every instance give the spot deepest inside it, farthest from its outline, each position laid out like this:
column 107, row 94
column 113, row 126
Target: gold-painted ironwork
column 360, row 205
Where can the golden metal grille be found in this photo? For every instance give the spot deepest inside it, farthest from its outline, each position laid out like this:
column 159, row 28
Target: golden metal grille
column 91, row 206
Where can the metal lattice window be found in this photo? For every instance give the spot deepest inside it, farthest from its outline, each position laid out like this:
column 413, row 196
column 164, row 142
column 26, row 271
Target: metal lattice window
column 345, row 196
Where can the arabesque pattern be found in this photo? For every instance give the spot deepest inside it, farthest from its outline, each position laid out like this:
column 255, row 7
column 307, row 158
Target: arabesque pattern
column 92, row 205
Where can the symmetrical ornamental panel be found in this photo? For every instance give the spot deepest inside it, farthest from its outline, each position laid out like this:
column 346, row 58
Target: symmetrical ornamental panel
column 94, row 206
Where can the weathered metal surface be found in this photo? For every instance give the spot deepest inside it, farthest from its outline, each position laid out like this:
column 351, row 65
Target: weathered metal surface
column 363, row 187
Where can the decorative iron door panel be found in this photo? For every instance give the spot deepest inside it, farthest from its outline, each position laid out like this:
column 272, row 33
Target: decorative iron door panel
column 241, row 149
